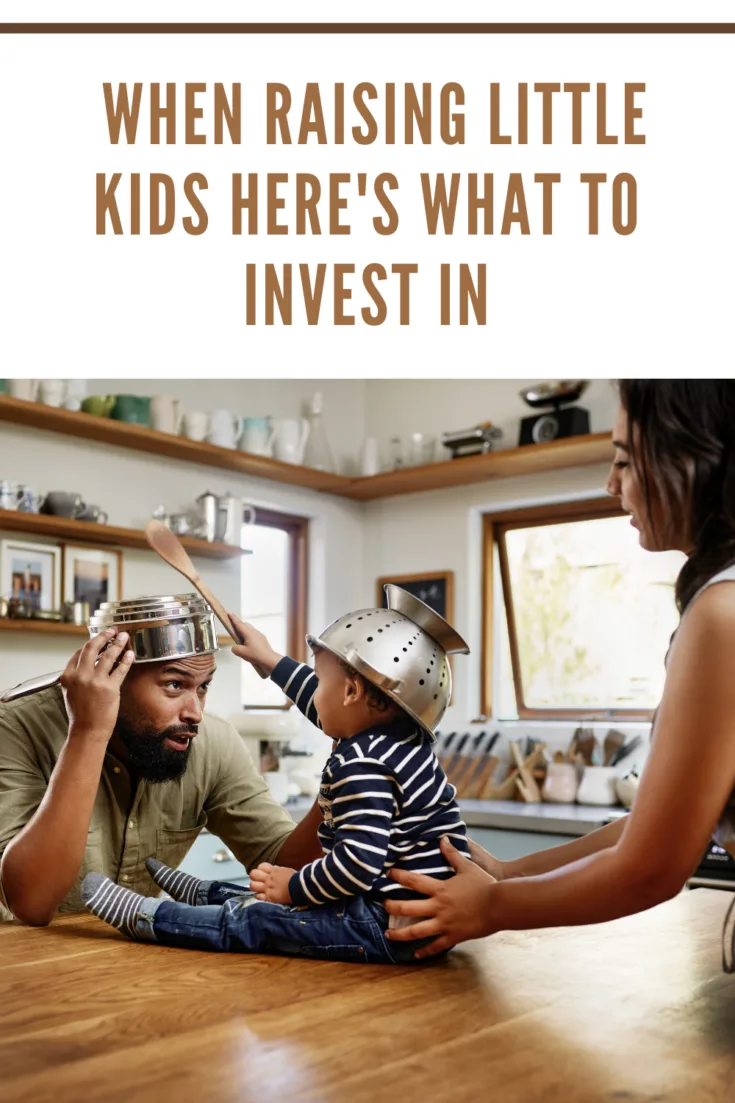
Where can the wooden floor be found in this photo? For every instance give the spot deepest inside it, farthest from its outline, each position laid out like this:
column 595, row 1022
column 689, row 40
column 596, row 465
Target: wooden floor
column 635, row 1010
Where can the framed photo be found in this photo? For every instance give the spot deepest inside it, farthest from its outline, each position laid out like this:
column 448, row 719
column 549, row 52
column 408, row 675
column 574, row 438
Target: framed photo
column 32, row 573
column 435, row 589
column 92, row 574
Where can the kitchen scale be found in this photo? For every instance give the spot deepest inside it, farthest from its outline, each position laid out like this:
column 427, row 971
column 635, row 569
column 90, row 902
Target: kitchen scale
column 564, row 420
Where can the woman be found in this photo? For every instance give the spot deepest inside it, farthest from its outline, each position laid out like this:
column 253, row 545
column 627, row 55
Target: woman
column 674, row 473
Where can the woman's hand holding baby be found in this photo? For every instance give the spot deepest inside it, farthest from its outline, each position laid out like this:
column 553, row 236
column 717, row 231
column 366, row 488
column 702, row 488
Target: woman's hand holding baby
column 453, row 911
column 271, row 883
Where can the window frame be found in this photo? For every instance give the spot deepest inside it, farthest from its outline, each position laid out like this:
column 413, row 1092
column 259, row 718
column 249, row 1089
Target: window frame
column 495, row 525
column 297, row 529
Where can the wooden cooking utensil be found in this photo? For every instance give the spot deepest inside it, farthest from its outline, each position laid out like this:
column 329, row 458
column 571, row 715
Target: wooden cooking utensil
column 166, row 544
column 614, row 740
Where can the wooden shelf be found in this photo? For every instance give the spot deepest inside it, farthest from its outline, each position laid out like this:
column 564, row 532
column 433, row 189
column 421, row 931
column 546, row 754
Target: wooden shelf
column 44, row 627
column 89, row 532
column 507, row 463
column 106, row 430
column 532, row 459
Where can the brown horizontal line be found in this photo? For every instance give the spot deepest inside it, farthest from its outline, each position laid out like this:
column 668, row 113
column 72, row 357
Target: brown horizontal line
column 367, row 28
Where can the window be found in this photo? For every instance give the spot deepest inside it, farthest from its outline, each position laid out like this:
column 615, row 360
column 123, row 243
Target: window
column 274, row 586
column 582, row 616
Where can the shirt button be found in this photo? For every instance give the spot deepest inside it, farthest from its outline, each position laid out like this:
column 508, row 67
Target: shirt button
column 131, row 823
column 126, row 877
column 116, row 769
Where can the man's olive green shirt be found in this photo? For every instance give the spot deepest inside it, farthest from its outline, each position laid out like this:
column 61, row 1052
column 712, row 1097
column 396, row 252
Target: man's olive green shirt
column 132, row 821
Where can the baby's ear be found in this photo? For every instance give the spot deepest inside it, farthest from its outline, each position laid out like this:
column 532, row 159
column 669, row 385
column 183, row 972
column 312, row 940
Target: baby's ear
column 354, row 689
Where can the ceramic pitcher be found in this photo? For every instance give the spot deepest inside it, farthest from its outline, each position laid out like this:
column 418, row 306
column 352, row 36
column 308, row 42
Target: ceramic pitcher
column 224, row 429
column 290, row 435
column 165, row 413
column 256, row 436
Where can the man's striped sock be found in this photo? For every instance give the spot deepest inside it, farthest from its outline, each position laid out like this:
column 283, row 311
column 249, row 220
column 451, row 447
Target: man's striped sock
column 118, row 906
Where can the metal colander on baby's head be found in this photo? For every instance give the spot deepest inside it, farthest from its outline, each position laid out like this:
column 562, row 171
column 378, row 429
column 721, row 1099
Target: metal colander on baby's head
column 175, row 626
column 402, row 650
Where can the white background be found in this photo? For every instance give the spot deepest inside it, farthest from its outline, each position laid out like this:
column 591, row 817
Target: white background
column 654, row 302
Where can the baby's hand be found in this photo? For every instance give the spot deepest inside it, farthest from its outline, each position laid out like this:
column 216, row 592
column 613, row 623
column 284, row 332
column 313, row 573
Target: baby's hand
column 253, row 646
column 271, row 883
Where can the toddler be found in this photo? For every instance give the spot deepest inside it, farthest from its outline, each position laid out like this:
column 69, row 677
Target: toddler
column 384, row 798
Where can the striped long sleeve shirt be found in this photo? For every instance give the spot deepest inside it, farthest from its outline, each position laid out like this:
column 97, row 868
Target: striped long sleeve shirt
column 385, row 803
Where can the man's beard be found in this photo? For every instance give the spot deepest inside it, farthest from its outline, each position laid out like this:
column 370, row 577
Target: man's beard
column 148, row 756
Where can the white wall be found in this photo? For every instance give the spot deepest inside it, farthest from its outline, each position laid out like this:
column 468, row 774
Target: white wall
column 344, row 402
column 399, row 407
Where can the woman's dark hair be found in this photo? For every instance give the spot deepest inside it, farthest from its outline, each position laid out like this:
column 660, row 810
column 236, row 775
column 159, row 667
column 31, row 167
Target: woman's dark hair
column 681, row 441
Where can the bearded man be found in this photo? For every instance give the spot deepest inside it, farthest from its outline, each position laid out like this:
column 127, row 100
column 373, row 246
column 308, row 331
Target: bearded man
column 119, row 763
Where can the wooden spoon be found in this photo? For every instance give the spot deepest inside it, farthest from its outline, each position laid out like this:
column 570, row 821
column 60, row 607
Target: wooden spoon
column 166, row 544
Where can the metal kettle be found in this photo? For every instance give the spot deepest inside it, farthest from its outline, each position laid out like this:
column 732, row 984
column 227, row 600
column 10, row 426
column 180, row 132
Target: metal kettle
column 223, row 517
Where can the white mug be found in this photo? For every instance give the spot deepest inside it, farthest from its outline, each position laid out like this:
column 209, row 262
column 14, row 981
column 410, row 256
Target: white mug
column 23, row 388
column 165, row 413
column 370, row 457
column 195, row 425
column 224, row 429
column 9, row 495
column 51, row 391
column 75, row 390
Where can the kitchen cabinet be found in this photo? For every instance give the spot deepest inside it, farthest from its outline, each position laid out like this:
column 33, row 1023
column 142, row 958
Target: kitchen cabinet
column 211, row 860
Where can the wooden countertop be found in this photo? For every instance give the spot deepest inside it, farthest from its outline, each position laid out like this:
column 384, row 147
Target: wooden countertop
column 635, row 1010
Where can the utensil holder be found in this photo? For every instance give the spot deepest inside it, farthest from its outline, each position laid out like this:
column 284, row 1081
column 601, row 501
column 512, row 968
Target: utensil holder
column 561, row 784
column 598, row 786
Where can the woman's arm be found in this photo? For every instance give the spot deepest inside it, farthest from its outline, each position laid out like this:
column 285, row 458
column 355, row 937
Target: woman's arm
column 687, row 782
column 543, row 861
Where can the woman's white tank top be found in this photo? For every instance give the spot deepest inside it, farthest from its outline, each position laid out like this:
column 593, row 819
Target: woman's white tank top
column 725, row 833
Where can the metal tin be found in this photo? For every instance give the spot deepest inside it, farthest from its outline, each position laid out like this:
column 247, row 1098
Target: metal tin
column 174, row 626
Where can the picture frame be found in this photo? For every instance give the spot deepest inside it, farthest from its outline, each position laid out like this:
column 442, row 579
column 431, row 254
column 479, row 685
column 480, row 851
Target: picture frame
column 32, row 573
column 434, row 588
column 91, row 574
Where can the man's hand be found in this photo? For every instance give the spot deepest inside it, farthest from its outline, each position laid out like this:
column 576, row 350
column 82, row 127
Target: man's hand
column 456, row 910
column 271, row 883
column 254, row 647
column 91, row 684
